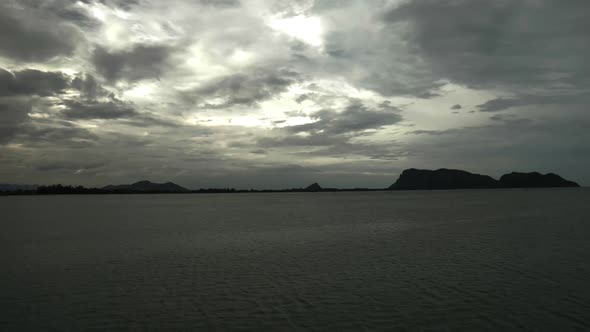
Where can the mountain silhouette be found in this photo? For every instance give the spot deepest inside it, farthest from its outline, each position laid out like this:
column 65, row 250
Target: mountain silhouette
column 147, row 186
column 313, row 187
column 534, row 180
column 418, row 179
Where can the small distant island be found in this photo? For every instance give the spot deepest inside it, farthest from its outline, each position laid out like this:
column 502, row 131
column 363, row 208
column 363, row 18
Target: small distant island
column 147, row 186
column 410, row 179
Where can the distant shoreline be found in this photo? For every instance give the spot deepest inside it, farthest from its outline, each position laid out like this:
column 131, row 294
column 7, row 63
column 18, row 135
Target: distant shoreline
column 409, row 179
column 270, row 191
column 204, row 191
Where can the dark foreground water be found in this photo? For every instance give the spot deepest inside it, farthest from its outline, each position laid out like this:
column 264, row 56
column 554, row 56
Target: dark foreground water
column 443, row 260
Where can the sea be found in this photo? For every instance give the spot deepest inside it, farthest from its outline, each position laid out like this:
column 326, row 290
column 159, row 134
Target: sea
column 457, row 260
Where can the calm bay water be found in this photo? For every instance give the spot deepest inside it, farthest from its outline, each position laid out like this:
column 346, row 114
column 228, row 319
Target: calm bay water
column 441, row 260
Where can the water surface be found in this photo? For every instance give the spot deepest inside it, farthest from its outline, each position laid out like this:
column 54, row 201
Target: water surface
column 441, row 260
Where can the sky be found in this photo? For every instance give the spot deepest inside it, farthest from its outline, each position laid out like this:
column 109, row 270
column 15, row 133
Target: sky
column 279, row 94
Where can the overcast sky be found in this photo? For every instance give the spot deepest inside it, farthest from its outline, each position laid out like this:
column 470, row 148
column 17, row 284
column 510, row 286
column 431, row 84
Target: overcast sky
column 275, row 94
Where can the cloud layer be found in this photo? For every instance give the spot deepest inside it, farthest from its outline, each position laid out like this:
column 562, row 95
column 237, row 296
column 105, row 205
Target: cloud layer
column 269, row 94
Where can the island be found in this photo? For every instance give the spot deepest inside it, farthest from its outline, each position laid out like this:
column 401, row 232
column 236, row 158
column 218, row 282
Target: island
column 147, row 187
column 409, row 179
column 314, row 187
column 420, row 179
column 416, row 179
column 534, row 180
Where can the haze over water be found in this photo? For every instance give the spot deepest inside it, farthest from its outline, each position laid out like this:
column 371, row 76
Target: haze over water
column 468, row 260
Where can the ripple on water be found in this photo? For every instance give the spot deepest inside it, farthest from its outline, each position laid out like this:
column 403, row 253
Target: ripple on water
column 496, row 261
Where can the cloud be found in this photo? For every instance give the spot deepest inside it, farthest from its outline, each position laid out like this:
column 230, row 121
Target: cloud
column 332, row 134
column 61, row 10
column 355, row 117
column 220, row 3
column 520, row 100
column 303, row 98
column 144, row 120
column 428, row 95
column 291, row 140
column 434, row 132
column 367, row 53
column 28, row 35
column 32, row 82
column 88, row 86
column 54, row 135
column 390, row 151
column 133, row 64
column 77, row 16
column 60, row 165
column 89, row 110
column 13, row 113
column 510, row 119
column 123, row 4
column 502, row 43
column 245, row 88
column 226, row 97
column 500, row 104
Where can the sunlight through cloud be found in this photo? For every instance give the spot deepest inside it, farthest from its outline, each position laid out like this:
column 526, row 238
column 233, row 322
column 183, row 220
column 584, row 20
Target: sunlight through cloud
column 307, row 29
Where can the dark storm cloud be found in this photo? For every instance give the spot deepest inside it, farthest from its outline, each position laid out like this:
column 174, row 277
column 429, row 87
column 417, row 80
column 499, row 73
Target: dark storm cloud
column 220, row 3
column 355, row 117
column 112, row 109
column 347, row 150
column 133, row 64
column 434, row 132
column 303, row 98
column 26, row 35
column 510, row 119
column 88, row 86
column 77, row 16
column 32, row 82
column 485, row 43
column 64, row 10
column 123, row 4
column 332, row 133
column 89, row 110
column 292, row 140
column 246, row 88
column 13, row 113
column 530, row 57
column 19, row 92
column 61, row 165
column 54, row 135
column 428, row 95
column 375, row 60
column 149, row 121
column 502, row 104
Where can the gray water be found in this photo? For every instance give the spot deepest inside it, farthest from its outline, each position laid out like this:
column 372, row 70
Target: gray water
column 440, row 260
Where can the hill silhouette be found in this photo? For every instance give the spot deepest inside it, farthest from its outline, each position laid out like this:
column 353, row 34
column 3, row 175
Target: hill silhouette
column 147, row 186
column 409, row 179
column 414, row 179
column 534, row 180
column 418, row 179
column 314, row 187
